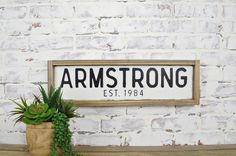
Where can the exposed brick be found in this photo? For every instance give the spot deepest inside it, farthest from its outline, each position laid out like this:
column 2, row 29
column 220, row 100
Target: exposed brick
column 100, row 42
column 13, row 91
column 225, row 90
column 28, row 27
column 150, row 139
column 78, row 55
column 161, row 110
column 75, row 27
column 2, row 27
column 15, row 75
column 195, row 42
column 6, row 106
column 1, row 61
column 97, row 140
column 211, row 138
column 8, row 125
column 210, row 73
column 52, row 11
column 172, row 26
column 234, row 27
column 208, row 89
column 83, row 124
column 13, row 43
column 230, row 106
column 39, row 60
column 100, row 10
column 174, row 55
column 123, row 124
column 35, row 31
column 219, row 122
column 211, row 106
column 38, row 75
column 149, row 42
column 106, row 111
column 37, row 43
column 12, row 138
column 229, row 73
column 229, row 11
column 189, row 110
column 207, row 27
column 190, row 138
column 12, row 59
column 184, row 26
column 17, row 12
column 218, row 58
column 123, row 26
column 59, row 1
column 190, row 10
column 137, row 55
column 149, row 10
column 231, row 43
column 230, row 138
column 1, row 91
column 227, row 26
column 27, row 1
column 184, row 123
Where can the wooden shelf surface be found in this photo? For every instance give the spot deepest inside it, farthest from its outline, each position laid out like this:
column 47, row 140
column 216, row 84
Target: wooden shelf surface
column 201, row 150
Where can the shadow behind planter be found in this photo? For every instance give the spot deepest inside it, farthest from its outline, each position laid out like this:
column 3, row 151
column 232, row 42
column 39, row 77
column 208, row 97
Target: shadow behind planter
column 39, row 138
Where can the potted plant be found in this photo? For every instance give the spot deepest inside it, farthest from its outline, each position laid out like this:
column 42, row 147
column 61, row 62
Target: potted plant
column 47, row 120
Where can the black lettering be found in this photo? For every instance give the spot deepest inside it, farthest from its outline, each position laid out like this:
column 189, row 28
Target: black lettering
column 105, row 93
column 111, row 93
column 124, row 70
column 111, row 77
column 164, row 76
column 135, row 79
column 63, row 81
column 184, row 78
column 149, row 79
column 77, row 80
column 96, row 80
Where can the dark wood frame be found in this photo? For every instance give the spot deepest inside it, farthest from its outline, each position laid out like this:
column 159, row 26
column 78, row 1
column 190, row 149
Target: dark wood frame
column 98, row 103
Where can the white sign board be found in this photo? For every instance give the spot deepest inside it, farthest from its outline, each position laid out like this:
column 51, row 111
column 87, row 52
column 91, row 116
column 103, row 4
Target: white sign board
column 113, row 83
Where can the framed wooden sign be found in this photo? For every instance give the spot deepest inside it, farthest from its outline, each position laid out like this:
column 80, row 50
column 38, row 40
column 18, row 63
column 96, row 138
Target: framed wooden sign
column 126, row 82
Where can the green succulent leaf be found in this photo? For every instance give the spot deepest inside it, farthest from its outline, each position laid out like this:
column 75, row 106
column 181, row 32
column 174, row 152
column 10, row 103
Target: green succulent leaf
column 62, row 136
column 32, row 121
column 43, row 108
column 19, row 110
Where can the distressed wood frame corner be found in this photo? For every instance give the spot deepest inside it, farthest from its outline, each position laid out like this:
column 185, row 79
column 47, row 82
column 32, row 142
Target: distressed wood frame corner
column 114, row 103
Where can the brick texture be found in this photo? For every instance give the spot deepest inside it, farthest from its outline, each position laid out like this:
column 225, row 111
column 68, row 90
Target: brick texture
column 34, row 31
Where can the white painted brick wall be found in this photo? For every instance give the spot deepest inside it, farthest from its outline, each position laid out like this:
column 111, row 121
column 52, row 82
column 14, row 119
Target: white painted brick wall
column 98, row 139
column 230, row 138
column 14, row 12
column 123, row 125
column 34, row 31
column 149, row 10
column 155, row 138
column 185, row 123
column 191, row 137
column 230, row 106
column 2, row 91
column 89, row 125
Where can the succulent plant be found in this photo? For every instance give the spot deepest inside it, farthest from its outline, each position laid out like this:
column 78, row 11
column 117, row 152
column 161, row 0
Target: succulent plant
column 54, row 100
column 22, row 107
column 37, row 113
column 42, row 109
